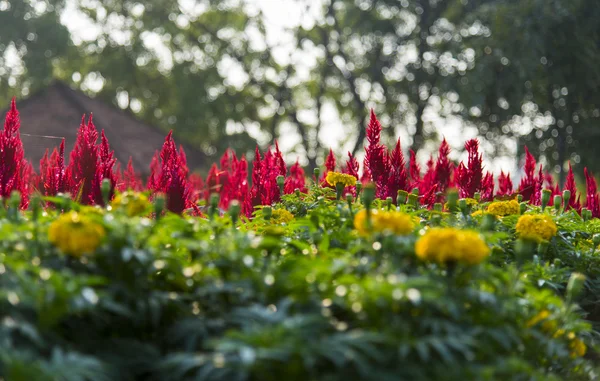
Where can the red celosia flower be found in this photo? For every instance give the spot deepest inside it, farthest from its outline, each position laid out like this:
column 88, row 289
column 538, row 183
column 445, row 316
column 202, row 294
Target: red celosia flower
column 469, row 178
column 414, row 171
column 443, row 167
column 428, row 180
column 352, row 166
column 505, row 185
column 398, row 176
column 592, row 200
column 104, row 170
column 376, row 157
column 366, row 175
column 197, row 185
column 264, row 177
column 52, row 172
column 131, row 180
column 213, row 185
column 183, row 162
column 296, row 179
column 487, row 187
column 83, row 163
column 572, row 187
column 429, row 197
column 154, row 172
column 172, row 179
column 12, row 158
column 329, row 167
column 257, row 178
column 528, row 185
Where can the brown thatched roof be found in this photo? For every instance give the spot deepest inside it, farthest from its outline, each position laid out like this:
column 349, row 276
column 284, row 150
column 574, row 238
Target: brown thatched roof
column 55, row 113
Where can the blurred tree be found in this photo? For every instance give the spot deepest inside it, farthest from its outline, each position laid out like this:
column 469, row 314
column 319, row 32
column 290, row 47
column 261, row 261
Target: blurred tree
column 523, row 69
column 32, row 42
column 399, row 57
column 537, row 77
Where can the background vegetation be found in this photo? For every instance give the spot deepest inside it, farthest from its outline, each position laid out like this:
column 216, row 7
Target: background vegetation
column 513, row 71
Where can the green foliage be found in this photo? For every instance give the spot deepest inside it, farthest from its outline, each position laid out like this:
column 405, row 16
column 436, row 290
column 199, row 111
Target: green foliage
column 199, row 299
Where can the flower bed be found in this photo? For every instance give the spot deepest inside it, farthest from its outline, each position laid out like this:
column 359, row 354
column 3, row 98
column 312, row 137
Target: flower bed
column 323, row 279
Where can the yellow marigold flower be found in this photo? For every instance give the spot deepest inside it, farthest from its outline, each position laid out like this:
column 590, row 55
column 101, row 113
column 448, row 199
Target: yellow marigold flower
column 395, row 222
column 75, row 234
column 281, row 216
column 360, row 223
column 542, row 315
column 504, row 208
column 133, row 203
column 334, row 178
column 445, row 245
column 536, row 227
column 578, row 348
column 477, row 213
column 471, row 202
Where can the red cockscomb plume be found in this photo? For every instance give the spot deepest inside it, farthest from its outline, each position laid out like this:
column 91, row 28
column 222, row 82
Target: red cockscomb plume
column 257, row 179
column 83, row 163
column 443, row 167
column 592, row 201
column 376, row 158
column 398, row 176
column 469, row 178
column 487, row 187
column 52, row 172
column 527, row 186
column 428, row 180
column 104, row 170
column 329, row 167
column 131, row 179
column 414, row 171
column 296, row 179
column 505, row 185
column 12, row 157
column 572, row 187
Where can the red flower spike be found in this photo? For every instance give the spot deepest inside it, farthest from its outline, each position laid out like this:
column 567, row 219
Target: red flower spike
column 572, row 187
column 429, row 197
column 429, row 178
column 152, row 183
column 329, row 167
column 592, row 199
column 398, row 176
column 104, row 170
column 83, row 163
column 414, row 171
column 52, row 172
column 183, row 161
column 443, row 167
column 257, row 179
column 170, row 177
column 505, row 185
column 470, row 178
column 366, row 175
column 280, row 163
column 212, row 182
column 376, row 157
column 352, row 166
column 487, row 188
column 296, row 179
column 197, row 185
column 131, row 179
column 12, row 157
column 527, row 186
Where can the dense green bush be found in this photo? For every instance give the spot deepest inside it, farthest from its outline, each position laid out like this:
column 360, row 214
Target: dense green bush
column 298, row 296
